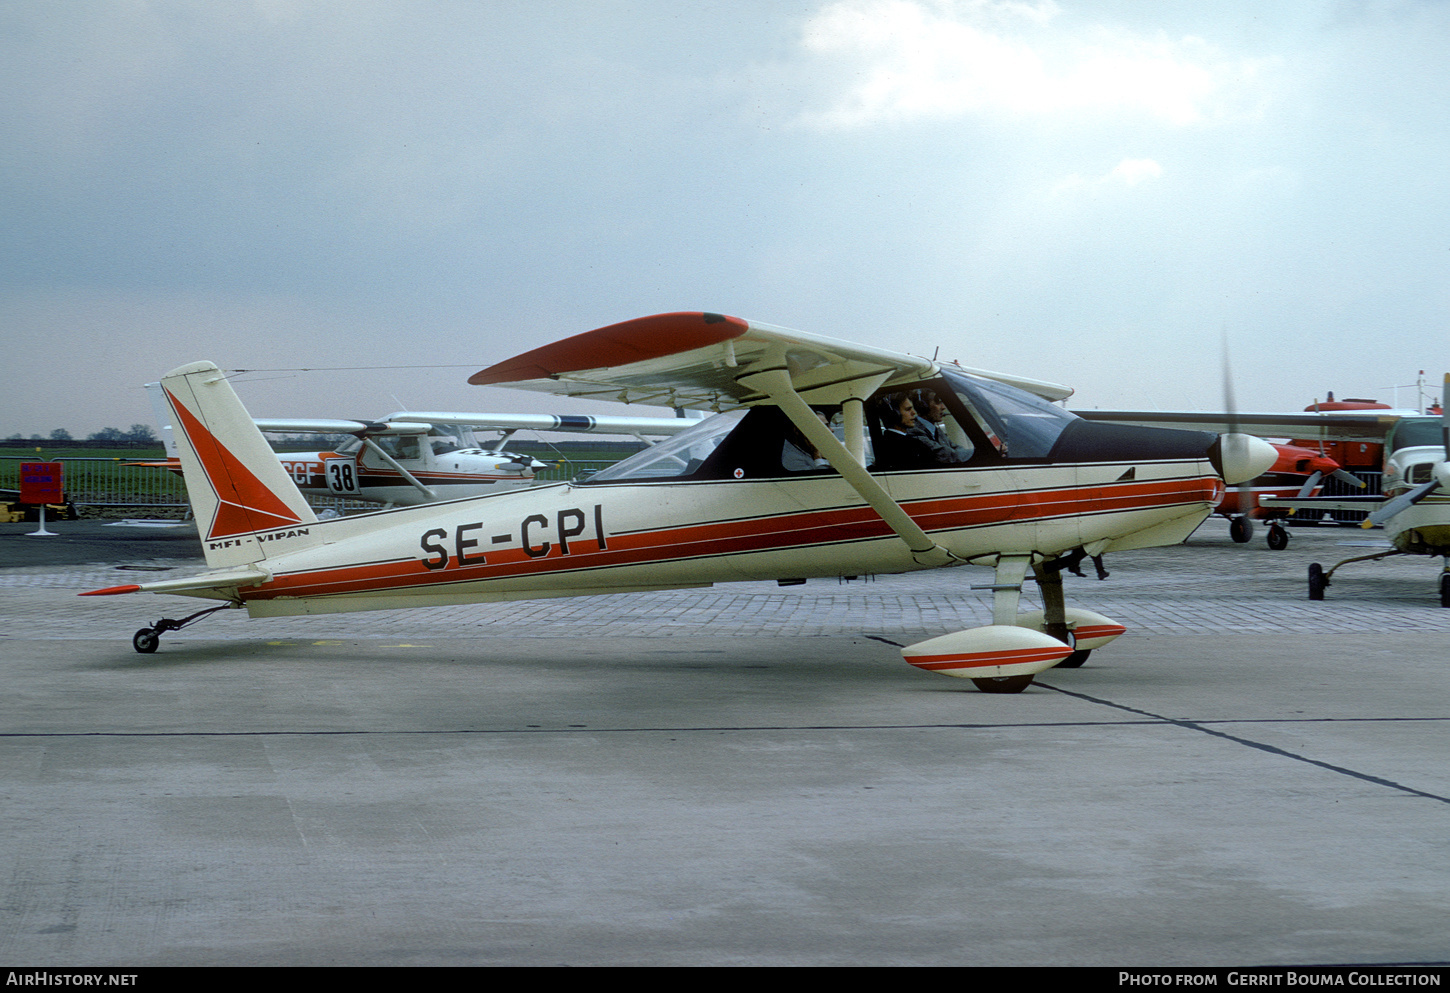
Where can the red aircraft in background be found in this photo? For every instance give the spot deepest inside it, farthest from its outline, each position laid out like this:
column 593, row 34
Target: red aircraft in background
column 1298, row 472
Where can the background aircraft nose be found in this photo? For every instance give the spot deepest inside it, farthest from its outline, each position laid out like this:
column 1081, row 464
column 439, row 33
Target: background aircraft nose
column 1241, row 457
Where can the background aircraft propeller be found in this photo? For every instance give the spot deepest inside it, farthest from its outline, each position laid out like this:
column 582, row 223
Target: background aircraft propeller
column 1349, row 479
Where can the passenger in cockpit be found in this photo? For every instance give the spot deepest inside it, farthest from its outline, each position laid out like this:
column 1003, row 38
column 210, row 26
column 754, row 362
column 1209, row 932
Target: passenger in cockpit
column 797, row 454
column 901, row 446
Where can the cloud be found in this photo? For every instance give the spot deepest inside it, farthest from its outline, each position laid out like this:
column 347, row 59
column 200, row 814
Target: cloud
column 1129, row 172
column 910, row 59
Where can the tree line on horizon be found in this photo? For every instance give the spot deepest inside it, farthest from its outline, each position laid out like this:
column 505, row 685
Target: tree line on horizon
column 138, row 433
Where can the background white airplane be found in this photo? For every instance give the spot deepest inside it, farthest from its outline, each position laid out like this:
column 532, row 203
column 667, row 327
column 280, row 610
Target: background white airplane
column 412, row 457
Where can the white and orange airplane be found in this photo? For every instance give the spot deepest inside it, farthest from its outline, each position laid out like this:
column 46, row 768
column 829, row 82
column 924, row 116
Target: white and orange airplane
column 813, row 467
column 412, row 456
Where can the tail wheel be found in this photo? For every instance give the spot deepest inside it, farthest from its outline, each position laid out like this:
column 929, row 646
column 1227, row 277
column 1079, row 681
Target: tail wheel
column 145, row 641
column 1318, row 582
column 1278, row 537
column 1003, row 684
column 1241, row 529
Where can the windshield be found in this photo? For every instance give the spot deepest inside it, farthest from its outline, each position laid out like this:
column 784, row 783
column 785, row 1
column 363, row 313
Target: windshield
column 1021, row 425
column 677, row 456
column 1415, row 432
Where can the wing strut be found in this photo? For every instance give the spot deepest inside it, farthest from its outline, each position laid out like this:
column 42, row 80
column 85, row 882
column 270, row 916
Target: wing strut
column 776, row 384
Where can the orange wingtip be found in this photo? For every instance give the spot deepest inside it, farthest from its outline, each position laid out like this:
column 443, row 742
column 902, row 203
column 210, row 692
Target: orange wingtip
column 111, row 591
column 619, row 344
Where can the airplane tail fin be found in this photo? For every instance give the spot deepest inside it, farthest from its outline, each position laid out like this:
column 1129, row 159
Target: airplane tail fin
column 157, row 396
column 239, row 492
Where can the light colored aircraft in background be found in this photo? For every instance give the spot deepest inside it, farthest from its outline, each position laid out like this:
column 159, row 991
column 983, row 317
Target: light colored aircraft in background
column 413, row 457
column 1415, row 507
column 809, row 470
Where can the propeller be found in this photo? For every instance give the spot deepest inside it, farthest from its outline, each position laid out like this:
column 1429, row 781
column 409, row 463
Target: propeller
column 1348, row 478
column 1441, row 473
column 1241, row 457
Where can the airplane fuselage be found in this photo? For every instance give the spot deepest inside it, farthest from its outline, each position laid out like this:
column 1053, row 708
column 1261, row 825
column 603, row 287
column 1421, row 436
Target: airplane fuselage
column 573, row 539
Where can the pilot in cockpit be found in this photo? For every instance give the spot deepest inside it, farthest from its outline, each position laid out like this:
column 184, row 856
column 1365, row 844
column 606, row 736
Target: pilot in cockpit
column 930, row 426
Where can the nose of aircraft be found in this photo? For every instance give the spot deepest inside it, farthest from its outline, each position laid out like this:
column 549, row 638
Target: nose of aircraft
column 1241, row 457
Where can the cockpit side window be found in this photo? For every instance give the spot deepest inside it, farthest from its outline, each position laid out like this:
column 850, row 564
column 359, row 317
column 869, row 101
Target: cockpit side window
column 755, row 443
column 403, row 448
column 925, row 426
column 679, row 457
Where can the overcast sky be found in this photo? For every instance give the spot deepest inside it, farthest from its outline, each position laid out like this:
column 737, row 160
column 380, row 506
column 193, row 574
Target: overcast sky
column 1093, row 193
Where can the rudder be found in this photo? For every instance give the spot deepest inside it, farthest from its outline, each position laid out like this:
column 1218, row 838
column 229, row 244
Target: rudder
column 237, row 487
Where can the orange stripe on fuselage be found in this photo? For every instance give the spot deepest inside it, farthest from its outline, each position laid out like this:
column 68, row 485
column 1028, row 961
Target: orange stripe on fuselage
column 744, row 535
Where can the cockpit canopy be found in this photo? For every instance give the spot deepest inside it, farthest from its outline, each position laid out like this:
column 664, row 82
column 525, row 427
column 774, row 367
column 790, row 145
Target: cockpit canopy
column 955, row 419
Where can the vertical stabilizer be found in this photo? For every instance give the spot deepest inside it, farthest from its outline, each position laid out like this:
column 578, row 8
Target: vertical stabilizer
column 157, row 396
column 241, row 495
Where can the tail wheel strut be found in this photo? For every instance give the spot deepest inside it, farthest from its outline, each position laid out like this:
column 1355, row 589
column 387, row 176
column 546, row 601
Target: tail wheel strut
column 146, row 640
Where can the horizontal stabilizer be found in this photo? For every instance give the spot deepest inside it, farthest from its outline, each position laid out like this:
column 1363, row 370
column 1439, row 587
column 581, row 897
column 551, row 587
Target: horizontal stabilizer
column 222, row 581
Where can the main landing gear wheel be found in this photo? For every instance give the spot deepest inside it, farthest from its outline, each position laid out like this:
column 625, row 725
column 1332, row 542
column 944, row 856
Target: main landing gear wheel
column 1318, row 582
column 145, row 641
column 1445, row 589
column 1278, row 537
column 1075, row 660
column 1241, row 529
column 1003, row 684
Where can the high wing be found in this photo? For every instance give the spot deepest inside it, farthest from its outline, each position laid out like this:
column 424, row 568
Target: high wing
column 332, row 425
column 572, row 423
column 405, row 422
column 422, row 422
column 711, row 361
column 706, row 361
column 1333, row 425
